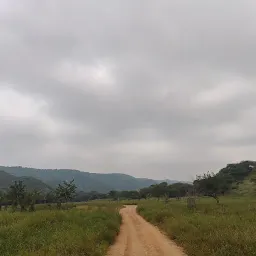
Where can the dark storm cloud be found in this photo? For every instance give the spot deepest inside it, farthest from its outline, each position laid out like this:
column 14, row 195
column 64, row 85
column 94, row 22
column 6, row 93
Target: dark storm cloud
column 157, row 89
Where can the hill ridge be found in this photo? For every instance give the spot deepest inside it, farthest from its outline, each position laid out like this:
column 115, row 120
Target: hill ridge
column 85, row 181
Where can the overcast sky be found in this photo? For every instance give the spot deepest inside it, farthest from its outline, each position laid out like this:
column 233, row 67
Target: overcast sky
column 159, row 89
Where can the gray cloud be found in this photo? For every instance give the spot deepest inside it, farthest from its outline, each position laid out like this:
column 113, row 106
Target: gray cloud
column 156, row 89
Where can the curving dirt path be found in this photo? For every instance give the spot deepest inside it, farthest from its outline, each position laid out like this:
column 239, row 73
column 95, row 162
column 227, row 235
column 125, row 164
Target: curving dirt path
column 139, row 238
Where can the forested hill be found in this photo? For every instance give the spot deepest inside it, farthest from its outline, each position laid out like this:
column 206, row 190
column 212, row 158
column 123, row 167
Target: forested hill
column 84, row 181
column 238, row 171
column 7, row 179
column 239, row 178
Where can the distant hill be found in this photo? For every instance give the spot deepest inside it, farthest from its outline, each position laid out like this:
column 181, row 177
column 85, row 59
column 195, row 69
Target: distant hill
column 118, row 181
column 238, row 171
column 84, row 181
column 7, row 179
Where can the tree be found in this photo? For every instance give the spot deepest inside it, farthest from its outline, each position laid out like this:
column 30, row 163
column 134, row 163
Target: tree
column 145, row 193
column 65, row 192
column 209, row 184
column 113, row 194
column 31, row 198
column 50, row 197
column 2, row 198
column 159, row 190
column 16, row 194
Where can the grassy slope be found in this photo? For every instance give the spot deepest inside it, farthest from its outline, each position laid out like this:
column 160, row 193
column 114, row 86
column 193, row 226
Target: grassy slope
column 247, row 187
column 71, row 232
column 227, row 229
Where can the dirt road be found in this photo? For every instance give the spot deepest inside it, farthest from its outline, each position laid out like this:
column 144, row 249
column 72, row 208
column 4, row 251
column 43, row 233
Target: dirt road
column 139, row 238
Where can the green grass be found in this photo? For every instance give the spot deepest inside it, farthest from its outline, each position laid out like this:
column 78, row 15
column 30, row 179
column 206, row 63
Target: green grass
column 227, row 229
column 247, row 186
column 58, row 232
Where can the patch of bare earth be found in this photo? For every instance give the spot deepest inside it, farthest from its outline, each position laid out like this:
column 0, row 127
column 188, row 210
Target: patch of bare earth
column 137, row 237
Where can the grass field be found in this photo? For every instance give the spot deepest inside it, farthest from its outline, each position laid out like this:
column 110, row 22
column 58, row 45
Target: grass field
column 227, row 229
column 85, row 231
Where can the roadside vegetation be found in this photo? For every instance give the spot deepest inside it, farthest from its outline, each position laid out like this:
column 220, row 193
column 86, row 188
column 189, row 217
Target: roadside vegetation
column 55, row 226
column 58, row 232
column 210, row 229
column 212, row 219
column 19, row 198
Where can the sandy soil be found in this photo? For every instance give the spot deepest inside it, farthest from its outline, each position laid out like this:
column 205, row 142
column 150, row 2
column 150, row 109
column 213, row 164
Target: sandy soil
column 138, row 238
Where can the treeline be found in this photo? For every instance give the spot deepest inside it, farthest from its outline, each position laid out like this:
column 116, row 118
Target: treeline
column 158, row 190
column 208, row 184
column 228, row 178
column 19, row 197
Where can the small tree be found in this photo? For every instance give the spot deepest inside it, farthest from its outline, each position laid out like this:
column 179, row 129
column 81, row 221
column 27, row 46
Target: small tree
column 65, row 192
column 209, row 184
column 145, row 193
column 166, row 198
column 2, row 198
column 31, row 198
column 16, row 194
column 50, row 198
column 113, row 194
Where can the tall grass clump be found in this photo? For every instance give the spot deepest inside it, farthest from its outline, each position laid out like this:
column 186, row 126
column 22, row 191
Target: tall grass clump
column 225, row 229
column 56, row 232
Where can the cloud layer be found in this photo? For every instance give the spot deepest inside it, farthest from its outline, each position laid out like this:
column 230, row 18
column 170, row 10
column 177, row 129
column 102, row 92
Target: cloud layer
column 162, row 89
